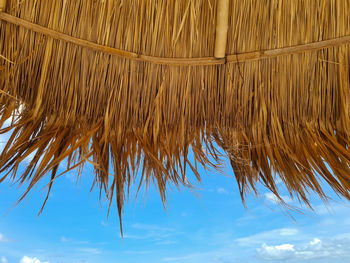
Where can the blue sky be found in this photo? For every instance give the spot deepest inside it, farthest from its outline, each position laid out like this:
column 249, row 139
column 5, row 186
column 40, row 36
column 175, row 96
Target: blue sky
column 207, row 225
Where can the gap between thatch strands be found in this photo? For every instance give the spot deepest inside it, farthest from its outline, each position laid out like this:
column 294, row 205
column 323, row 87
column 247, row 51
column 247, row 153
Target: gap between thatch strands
column 7, row 94
column 202, row 61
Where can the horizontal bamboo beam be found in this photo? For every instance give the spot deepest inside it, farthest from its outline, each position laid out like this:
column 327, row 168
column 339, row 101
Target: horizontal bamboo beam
column 199, row 61
column 221, row 28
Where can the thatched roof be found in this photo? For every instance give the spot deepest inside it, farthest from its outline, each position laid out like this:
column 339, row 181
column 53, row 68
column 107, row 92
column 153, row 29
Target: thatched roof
column 124, row 84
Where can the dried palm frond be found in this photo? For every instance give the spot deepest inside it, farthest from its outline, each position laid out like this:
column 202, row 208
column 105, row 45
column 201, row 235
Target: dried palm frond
column 124, row 84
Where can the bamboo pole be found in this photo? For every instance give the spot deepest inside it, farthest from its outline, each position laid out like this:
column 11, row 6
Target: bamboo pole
column 221, row 28
column 194, row 61
column 2, row 5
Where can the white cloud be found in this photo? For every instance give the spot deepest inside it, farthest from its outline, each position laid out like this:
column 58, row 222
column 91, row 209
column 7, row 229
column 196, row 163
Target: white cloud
column 179, row 258
column 271, row 197
column 3, row 260
column 166, row 242
column 126, row 236
column 264, row 237
column 288, row 231
column 279, row 252
column 291, row 249
column 27, row 259
column 285, row 247
column 90, row 250
column 222, row 190
column 305, row 255
column 30, row 157
column 104, row 223
column 3, row 140
column 64, row 239
column 148, row 227
column 278, row 180
column 343, row 236
column 146, row 231
column 138, row 252
column 6, row 136
column 71, row 177
column 333, row 209
column 315, row 242
column 8, row 122
column 3, row 238
column 311, row 251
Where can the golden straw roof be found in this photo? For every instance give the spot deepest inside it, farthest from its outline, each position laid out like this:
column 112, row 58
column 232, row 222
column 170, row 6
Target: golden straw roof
column 129, row 84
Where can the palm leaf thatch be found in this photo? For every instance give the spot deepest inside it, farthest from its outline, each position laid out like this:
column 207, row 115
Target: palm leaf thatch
column 124, row 84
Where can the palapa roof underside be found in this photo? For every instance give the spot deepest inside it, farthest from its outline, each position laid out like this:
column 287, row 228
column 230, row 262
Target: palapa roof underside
column 124, row 84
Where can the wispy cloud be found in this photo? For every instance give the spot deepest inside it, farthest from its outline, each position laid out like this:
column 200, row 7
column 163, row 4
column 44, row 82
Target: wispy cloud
column 305, row 252
column 128, row 236
column 147, row 231
column 334, row 208
column 104, row 223
column 3, row 140
column 166, row 242
column 267, row 236
column 3, row 239
column 222, row 255
column 90, row 250
column 27, row 259
column 149, row 227
column 3, row 260
column 271, row 197
column 64, row 239
column 222, row 191
column 279, row 252
column 8, row 122
column 71, row 177
column 179, row 258
column 138, row 252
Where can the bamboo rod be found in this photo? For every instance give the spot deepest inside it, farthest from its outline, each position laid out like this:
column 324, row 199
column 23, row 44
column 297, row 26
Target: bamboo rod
column 221, row 28
column 199, row 61
column 2, row 5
